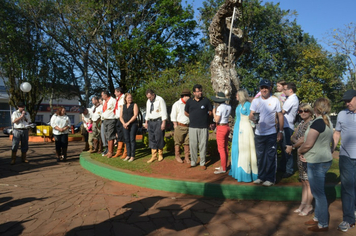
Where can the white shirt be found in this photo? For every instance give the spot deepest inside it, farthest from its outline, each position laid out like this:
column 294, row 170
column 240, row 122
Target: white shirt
column 159, row 111
column 291, row 108
column 21, row 124
column 120, row 103
column 223, row 111
column 61, row 122
column 267, row 109
column 97, row 114
column 109, row 114
column 85, row 118
column 177, row 113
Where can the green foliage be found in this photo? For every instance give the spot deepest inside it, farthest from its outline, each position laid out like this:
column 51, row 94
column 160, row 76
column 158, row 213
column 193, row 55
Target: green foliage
column 169, row 141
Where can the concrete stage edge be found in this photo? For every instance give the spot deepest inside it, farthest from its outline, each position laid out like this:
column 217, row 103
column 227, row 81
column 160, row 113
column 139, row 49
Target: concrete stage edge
column 205, row 189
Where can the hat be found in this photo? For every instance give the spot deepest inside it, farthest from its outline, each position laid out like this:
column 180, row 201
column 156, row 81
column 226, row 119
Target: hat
column 348, row 95
column 220, row 97
column 185, row 92
column 265, row 82
column 20, row 104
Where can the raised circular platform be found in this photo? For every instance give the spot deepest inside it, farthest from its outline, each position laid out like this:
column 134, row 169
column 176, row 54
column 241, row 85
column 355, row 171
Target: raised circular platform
column 206, row 189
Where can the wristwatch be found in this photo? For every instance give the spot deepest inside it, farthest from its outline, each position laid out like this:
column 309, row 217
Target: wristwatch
column 281, row 131
column 293, row 147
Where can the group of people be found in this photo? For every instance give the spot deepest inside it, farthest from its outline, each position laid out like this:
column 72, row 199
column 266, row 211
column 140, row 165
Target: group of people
column 260, row 125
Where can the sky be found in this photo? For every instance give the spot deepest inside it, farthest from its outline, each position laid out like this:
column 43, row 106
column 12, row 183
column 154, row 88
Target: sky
column 316, row 17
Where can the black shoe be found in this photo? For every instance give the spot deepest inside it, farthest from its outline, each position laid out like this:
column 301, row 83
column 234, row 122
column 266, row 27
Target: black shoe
column 105, row 152
column 286, row 175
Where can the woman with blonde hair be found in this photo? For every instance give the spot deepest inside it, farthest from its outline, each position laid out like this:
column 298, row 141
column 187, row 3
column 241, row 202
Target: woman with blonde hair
column 243, row 152
column 306, row 113
column 316, row 151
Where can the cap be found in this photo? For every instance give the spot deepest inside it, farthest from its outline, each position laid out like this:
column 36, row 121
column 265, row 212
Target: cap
column 265, row 82
column 185, row 92
column 220, row 97
column 348, row 95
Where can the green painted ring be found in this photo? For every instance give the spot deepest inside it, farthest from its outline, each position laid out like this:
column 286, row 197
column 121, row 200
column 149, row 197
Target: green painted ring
column 206, row 189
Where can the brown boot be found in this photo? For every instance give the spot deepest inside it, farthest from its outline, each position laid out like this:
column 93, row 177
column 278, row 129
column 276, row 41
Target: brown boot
column 124, row 155
column 86, row 147
column 154, row 156
column 95, row 146
column 186, row 154
column 13, row 157
column 23, row 157
column 100, row 149
column 177, row 153
column 90, row 148
column 110, row 148
column 119, row 150
column 160, row 154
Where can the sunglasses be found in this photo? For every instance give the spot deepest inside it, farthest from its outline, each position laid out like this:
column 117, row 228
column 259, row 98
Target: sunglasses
column 303, row 111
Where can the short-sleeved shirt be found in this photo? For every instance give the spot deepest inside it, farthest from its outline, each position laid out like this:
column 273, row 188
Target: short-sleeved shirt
column 267, row 109
column 223, row 111
column 177, row 113
column 198, row 112
column 21, row 123
column 346, row 124
column 291, row 108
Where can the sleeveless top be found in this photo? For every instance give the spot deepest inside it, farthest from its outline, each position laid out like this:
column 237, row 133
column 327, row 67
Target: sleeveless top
column 128, row 112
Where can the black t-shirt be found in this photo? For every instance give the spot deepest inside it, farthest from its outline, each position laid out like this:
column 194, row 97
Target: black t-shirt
column 319, row 125
column 198, row 112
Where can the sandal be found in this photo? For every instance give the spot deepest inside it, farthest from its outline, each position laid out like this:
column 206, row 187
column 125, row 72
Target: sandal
column 300, row 208
column 306, row 212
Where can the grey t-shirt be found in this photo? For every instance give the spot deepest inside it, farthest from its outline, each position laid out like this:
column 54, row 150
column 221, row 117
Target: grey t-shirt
column 346, row 124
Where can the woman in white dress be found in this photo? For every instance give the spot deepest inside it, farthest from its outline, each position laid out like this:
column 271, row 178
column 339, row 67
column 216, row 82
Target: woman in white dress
column 243, row 152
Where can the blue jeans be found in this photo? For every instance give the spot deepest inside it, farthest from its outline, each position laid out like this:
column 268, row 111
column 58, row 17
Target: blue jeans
column 130, row 139
column 348, row 188
column 286, row 162
column 316, row 176
column 266, row 152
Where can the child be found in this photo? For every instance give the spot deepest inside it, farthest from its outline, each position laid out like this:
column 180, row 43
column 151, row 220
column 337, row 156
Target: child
column 90, row 126
column 279, row 94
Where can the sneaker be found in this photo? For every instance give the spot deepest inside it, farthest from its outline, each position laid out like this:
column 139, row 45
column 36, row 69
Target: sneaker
column 267, row 183
column 219, row 172
column 258, row 181
column 344, row 226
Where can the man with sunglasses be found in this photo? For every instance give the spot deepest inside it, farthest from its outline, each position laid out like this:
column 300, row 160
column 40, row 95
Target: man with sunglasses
column 346, row 130
column 289, row 110
column 266, row 133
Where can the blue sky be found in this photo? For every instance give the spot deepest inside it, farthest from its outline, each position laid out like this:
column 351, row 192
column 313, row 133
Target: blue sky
column 316, row 17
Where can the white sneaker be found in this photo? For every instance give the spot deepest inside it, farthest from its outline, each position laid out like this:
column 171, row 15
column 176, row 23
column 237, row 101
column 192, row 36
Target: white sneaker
column 258, row 181
column 219, row 172
column 344, row 226
column 267, row 183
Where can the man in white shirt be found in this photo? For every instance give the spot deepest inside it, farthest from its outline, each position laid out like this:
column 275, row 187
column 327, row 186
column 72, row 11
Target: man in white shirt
column 266, row 135
column 86, row 116
column 20, row 119
column 289, row 110
column 120, row 98
column 94, row 137
column 181, row 126
column 109, row 121
column 156, row 116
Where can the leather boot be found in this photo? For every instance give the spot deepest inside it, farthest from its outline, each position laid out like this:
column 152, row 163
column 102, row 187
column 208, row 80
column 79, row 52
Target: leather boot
column 64, row 152
column 13, row 157
column 58, row 154
column 100, row 146
column 177, row 153
column 124, row 155
column 119, row 150
column 23, row 157
column 186, row 154
column 95, row 146
column 160, row 154
column 110, row 148
column 154, row 156
column 90, row 148
column 86, row 147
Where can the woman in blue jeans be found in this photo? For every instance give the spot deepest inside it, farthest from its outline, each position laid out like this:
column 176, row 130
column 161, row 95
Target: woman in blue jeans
column 128, row 118
column 316, row 151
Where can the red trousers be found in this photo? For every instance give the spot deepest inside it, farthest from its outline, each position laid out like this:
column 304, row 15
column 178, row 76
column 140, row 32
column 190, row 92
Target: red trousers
column 222, row 137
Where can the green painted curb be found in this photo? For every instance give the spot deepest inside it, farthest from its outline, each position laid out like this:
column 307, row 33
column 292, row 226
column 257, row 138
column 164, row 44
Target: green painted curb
column 206, row 189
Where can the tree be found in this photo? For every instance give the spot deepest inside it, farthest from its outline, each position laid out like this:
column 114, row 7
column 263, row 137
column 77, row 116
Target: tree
column 343, row 41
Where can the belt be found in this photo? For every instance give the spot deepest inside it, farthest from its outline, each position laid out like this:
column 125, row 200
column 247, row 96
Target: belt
column 180, row 124
column 222, row 124
column 157, row 119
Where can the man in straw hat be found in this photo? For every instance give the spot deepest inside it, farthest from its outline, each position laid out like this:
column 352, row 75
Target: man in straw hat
column 198, row 110
column 346, row 130
column 181, row 126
